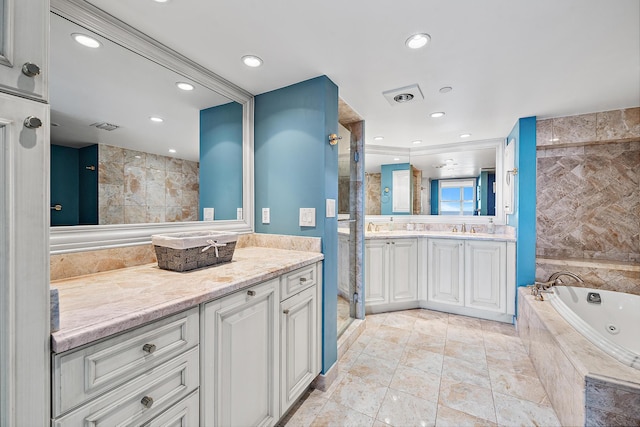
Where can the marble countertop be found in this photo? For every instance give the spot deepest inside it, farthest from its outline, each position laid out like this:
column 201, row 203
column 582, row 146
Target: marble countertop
column 102, row 304
column 405, row 234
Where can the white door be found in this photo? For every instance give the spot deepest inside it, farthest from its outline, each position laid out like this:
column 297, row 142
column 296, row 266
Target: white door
column 23, row 38
column 403, row 270
column 485, row 282
column 298, row 338
column 375, row 272
column 241, row 358
column 24, row 263
column 446, row 271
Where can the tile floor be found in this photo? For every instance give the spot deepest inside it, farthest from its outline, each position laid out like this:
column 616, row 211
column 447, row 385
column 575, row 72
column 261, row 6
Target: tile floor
column 426, row 368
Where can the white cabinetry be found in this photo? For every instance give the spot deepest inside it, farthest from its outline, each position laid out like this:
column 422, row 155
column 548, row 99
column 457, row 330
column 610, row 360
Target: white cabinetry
column 240, row 359
column 472, row 277
column 391, row 274
column 23, row 58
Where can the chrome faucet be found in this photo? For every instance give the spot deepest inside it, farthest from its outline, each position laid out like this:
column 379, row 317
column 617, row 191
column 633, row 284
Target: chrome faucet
column 555, row 277
column 540, row 288
column 369, row 226
column 463, row 228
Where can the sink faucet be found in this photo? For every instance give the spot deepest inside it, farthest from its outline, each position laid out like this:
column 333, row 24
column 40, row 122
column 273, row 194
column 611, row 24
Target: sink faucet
column 463, row 228
column 370, row 226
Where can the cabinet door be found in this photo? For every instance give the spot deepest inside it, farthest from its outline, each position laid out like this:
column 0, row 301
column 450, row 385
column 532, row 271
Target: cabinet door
column 298, row 338
column 485, row 281
column 403, row 270
column 375, row 272
column 23, row 39
column 446, row 271
column 240, row 358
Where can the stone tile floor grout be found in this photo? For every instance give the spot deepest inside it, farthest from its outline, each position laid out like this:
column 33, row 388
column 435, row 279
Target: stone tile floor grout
column 426, row 368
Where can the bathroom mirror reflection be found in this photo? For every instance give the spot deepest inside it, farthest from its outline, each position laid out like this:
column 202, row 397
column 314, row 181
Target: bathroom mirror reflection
column 129, row 145
column 454, row 180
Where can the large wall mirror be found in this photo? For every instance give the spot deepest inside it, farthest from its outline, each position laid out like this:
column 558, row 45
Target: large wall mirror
column 439, row 183
column 133, row 153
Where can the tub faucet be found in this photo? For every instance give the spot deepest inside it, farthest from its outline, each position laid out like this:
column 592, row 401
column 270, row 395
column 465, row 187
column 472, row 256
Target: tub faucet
column 555, row 277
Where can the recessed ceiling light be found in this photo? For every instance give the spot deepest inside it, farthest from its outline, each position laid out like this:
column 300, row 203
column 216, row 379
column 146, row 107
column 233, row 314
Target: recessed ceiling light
column 86, row 41
column 437, row 114
column 184, row 86
column 445, row 89
column 417, row 41
column 160, row 1
column 395, row 159
column 417, row 141
column 448, row 161
column 465, row 135
column 251, row 61
column 378, row 138
column 172, row 151
column 156, row 119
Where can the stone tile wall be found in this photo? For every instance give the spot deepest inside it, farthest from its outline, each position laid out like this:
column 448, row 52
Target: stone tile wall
column 136, row 187
column 588, row 191
column 372, row 182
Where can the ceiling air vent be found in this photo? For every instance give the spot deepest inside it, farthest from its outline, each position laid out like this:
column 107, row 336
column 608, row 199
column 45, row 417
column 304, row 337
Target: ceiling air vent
column 105, row 126
column 404, row 95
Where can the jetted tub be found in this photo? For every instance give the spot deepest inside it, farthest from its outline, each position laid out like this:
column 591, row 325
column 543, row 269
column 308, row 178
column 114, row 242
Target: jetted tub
column 610, row 320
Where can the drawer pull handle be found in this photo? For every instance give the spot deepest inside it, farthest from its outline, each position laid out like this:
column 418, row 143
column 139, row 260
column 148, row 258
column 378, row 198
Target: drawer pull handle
column 285, row 311
column 147, row 402
column 251, row 293
column 303, row 279
column 149, row 348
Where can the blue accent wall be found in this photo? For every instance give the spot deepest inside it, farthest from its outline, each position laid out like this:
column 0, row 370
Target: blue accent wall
column 524, row 216
column 88, row 185
column 435, row 194
column 221, row 160
column 386, row 181
column 64, row 185
column 295, row 167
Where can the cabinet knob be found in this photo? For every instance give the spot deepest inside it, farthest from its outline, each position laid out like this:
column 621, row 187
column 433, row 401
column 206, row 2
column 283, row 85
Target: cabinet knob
column 303, row 279
column 285, row 311
column 251, row 293
column 30, row 69
column 32, row 122
column 149, row 348
column 147, row 402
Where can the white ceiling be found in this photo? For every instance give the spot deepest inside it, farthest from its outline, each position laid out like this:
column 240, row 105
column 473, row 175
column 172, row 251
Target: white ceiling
column 504, row 59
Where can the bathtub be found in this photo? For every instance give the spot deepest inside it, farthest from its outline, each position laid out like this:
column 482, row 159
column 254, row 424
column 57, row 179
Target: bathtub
column 612, row 324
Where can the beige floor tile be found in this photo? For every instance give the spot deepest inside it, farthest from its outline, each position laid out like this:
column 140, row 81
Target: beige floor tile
column 516, row 412
column 377, row 423
column 465, row 351
column 329, row 392
column 335, row 415
column 384, row 349
column 392, row 334
column 432, row 327
column 465, row 322
column 489, row 326
column 362, row 395
column 432, row 314
column 461, row 334
column 468, row 398
column 424, row 360
column 348, row 358
column 448, row 417
column 374, row 368
column 416, row 382
column 307, row 411
column 401, row 409
column 431, row 343
column 375, row 320
column 519, row 386
column 400, row 321
column 454, row 369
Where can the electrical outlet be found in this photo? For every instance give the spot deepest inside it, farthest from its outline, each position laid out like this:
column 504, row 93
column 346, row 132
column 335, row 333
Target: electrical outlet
column 266, row 216
column 239, row 214
column 331, row 208
column 208, row 214
column 307, row 217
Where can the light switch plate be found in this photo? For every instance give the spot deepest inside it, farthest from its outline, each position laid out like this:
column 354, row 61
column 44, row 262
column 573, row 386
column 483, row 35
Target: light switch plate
column 307, row 217
column 266, row 216
column 239, row 214
column 208, row 214
column 331, row 208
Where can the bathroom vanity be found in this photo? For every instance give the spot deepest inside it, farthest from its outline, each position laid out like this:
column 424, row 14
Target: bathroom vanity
column 234, row 344
column 472, row 274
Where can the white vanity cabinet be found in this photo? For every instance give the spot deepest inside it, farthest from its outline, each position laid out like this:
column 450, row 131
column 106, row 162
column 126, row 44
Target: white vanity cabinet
column 23, row 59
column 134, row 378
column 391, row 274
column 471, row 277
column 240, row 358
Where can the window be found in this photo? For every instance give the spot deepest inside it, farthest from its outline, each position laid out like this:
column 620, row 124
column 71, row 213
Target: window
column 457, row 197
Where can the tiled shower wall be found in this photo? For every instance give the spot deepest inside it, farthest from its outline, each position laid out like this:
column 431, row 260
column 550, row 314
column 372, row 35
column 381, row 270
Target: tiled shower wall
column 136, row 187
column 588, row 198
column 372, row 182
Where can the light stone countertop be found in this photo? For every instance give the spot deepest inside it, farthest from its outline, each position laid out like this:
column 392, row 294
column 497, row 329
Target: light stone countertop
column 405, row 234
column 99, row 305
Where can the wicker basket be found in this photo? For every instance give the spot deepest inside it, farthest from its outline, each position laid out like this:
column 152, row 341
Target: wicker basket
column 188, row 251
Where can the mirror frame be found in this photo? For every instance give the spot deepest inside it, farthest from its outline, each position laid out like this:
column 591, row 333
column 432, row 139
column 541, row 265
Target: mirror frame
column 498, row 143
column 66, row 239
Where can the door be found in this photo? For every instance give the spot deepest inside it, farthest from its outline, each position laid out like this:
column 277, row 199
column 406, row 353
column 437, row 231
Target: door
column 445, row 273
column 298, row 337
column 241, row 358
column 403, row 270
column 23, row 38
column 375, row 273
column 485, row 265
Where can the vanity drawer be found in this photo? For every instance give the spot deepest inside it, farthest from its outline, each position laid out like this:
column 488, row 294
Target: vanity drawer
column 185, row 413
column 84, row 374
column 141, row 399
column 298, row 280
